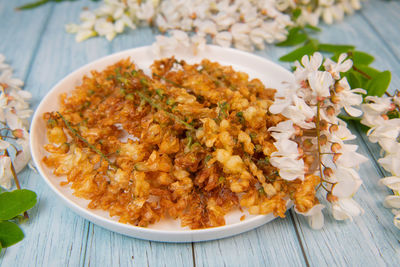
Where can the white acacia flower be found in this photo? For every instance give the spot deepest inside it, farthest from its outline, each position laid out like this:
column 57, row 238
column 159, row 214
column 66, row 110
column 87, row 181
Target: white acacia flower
column 314, row 216
column 5, row 172
column 309, row 64
column 347, row 182
column 206, row 27
column 393, row 182
column 283, row 130
column 320, row 83
column 198, row 42
column 346, row 208
column 386, row 134
column 299, row 112
column 376, row 105
column 391, row 163
column 349, row 158
column 289, row 168
column 6, row 78
column 286, row 148
column 14, row 112
column 223, row 39
column 335, row 68
column 105, row 28
column 392, row 202
column 145, row 11
column 349, row 98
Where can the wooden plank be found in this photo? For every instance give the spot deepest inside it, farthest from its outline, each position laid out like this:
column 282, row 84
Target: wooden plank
column 383, row 17
column 273, row 244
column 106, row 248
column 20, row 34
column 55, row 236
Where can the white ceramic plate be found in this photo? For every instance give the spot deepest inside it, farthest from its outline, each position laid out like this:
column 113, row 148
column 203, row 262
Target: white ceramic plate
column 271, row 74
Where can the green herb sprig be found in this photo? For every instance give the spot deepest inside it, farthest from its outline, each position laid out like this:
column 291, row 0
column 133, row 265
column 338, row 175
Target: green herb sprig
column 80, row 137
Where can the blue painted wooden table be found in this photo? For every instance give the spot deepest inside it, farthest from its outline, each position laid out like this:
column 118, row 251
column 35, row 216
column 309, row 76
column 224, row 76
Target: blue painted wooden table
column 36, row 45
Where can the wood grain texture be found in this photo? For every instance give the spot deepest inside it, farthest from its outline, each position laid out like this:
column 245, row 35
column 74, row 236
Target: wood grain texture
column 42, row 53
column 269, row 245
column 383, row 17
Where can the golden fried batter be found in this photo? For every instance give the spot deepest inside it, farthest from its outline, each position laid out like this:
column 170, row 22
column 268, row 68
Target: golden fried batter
column 190, row 142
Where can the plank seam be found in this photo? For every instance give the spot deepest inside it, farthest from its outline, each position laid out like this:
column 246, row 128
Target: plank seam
column 193, row 256
column 87, row 239
column 303, row 251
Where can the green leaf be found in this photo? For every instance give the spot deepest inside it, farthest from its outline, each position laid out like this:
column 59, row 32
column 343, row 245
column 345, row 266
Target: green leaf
column 313, row 28
column 349, row 118
column 379, row 84
column 32, row 5
column 295, row 37
column 16, row 202
column 335, row 48
column 296, row 13
column 362, row 58
column 10, row 233
column 354, row 79
column 298, row 53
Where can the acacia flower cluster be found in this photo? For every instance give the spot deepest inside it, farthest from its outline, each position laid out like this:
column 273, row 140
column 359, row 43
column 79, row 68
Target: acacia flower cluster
column 382, row 115
column 14, row 114
column 313, row 139
column 240, row 23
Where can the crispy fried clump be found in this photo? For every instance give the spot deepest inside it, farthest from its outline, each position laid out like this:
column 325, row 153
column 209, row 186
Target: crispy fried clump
column 189, row 142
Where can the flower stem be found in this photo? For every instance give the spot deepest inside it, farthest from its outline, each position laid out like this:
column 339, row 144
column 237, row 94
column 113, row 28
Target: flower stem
column 319, row 144
column 362, row 72
column 171, row 115
column 95, row 149
column 169, row 81
column 14, row 174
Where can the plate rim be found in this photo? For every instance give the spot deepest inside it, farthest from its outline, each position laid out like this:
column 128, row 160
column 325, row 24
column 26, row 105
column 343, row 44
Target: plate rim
column 184, row 235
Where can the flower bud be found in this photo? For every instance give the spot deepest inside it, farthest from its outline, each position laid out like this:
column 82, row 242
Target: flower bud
column 336, row 157
column 297, row 130
column 335, row 99
column 385, row 117
column 328, row 172
column 338, row 88
column 323, row 140
column 335, row 147
column 331, row 198
column 308, row 144
column 333, row 128
column 304, row 84
column 309, row 159
column 323, row 124
column 301, row 152
column 18, row 133
column 330, row 111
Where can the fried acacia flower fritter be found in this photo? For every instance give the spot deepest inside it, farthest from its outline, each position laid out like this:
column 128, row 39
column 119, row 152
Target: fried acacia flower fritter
column 189, row 142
